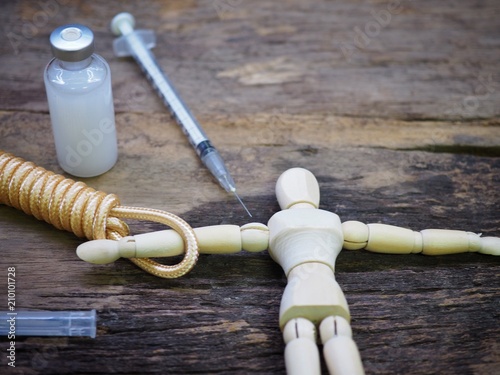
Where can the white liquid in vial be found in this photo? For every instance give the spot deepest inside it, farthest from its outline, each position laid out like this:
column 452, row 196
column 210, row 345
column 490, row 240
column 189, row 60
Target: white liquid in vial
column 82, row 115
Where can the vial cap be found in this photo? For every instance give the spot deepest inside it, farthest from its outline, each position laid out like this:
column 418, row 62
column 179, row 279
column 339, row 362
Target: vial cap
column 72, row 42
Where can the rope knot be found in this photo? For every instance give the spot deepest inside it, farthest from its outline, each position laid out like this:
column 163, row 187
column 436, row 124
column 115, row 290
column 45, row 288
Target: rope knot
column 77, row 208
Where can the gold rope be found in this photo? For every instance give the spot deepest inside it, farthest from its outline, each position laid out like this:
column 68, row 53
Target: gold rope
column 76, row 207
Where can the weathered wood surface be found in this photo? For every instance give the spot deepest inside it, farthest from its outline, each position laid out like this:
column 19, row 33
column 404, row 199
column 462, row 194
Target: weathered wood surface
column 400, row 126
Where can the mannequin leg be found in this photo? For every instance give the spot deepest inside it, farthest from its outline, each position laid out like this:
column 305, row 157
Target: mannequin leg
column 301, row 352
column 340, row 351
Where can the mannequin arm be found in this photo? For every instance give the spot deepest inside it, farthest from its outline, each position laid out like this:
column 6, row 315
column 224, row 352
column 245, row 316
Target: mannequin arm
column 217, row 239
column 382, row 238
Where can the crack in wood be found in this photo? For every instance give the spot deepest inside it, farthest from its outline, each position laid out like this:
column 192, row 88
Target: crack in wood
column 481, row 151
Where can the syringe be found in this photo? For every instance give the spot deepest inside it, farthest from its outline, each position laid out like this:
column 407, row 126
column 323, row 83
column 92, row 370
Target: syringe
column 137, row 44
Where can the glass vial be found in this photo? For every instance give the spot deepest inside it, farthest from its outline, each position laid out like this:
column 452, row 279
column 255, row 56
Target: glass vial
column 78, row 85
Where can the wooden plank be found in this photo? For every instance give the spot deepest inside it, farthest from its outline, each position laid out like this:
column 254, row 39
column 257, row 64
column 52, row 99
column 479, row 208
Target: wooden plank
column 404, row 130
column 428, row 62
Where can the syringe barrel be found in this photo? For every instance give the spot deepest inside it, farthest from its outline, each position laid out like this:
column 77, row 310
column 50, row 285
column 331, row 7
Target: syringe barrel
column 137, row 44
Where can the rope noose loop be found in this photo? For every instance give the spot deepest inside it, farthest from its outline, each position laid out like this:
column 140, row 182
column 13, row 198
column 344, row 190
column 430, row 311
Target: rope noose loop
column 77, row 208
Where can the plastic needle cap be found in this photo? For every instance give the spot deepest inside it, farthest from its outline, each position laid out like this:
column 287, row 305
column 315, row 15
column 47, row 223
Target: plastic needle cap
column 48, row 323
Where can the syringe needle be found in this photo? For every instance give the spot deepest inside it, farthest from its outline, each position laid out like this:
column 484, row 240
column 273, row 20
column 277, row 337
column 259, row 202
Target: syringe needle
column 241, row 202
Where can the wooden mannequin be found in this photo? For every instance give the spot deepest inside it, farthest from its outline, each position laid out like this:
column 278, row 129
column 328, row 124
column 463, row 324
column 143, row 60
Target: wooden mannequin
column 305, row 241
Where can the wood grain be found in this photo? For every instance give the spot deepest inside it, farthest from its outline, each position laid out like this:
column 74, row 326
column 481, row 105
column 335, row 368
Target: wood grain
column 401, row 127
